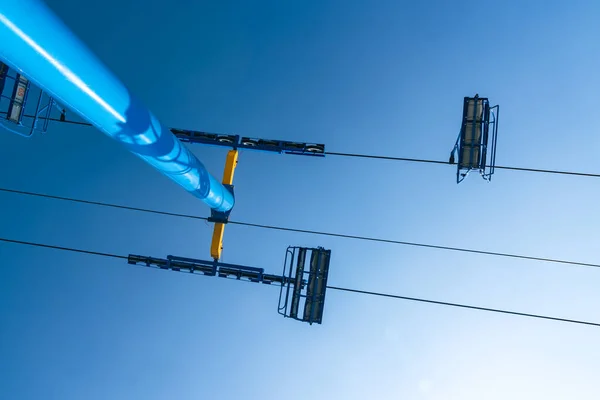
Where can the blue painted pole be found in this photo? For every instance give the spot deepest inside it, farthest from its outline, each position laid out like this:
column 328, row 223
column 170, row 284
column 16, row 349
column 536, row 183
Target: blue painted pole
column 36, row 43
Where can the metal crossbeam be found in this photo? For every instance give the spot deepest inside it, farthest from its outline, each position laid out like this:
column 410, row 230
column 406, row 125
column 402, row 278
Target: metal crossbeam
column 300, row 285
column 247, row 143
column 209, row 268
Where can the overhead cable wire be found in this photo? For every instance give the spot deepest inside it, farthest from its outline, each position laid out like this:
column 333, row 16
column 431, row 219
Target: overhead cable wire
column 422, row 160
column 100, row 204
column 339, row 288
column 64, row 121
column 390, row 158
column 415, row 244
column 444, row 303
column 311, row 232
column 70, row 249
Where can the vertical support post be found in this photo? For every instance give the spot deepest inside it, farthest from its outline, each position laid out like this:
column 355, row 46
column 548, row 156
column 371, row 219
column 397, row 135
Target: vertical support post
column 298, row 282
column 17, row 100
column 3, row 72
column 216, row 246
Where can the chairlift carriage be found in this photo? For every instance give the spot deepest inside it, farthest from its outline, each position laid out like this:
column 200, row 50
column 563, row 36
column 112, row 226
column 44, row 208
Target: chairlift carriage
column 304, row 287
column 16, row 104
column 301, row 285
column 476, row 142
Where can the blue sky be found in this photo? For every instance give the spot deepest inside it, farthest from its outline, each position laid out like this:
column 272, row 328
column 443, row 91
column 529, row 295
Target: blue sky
column 378, row 78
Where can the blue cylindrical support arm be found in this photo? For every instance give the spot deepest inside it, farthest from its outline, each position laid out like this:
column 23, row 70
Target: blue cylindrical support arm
column 35, row 42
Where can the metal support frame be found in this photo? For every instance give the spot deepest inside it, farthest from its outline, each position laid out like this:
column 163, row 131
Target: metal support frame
column 495, row 114
column 3, row 74
column 476, row 140
column 302, row 285
column 247, row 143
column 17, row 103
column 208, row 268
column 18, row 99
column 221, row 218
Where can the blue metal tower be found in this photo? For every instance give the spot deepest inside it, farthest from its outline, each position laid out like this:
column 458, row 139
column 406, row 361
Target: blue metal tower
column 38, row 45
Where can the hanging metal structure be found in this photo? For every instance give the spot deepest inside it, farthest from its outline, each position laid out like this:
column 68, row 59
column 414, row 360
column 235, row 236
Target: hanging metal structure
column 15, row 91
column 303, row 287
column 476, row 142
column 247, row 143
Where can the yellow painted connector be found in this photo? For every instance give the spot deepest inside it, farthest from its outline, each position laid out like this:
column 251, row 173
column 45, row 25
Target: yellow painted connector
column 230, row 164
column 216, row 246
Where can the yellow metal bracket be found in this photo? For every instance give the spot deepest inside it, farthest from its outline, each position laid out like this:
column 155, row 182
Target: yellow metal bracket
column 216, row 246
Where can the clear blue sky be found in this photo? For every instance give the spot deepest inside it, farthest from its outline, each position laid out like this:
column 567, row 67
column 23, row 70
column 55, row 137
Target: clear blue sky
column 382, row 77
